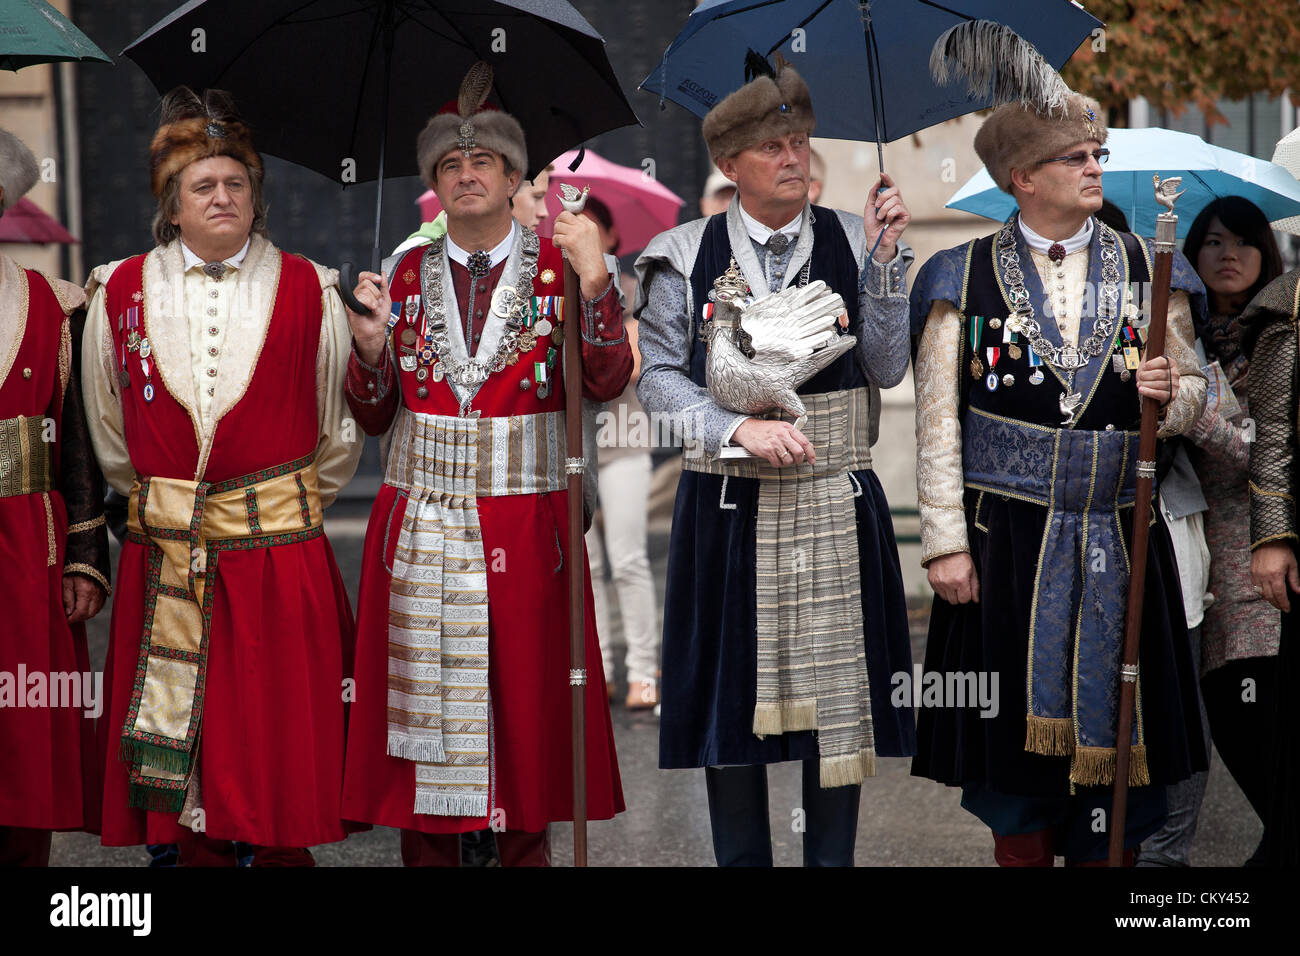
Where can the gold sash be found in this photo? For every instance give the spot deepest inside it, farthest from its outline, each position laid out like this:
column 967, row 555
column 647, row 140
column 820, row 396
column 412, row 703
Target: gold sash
column 185, row 525
column 24, row 457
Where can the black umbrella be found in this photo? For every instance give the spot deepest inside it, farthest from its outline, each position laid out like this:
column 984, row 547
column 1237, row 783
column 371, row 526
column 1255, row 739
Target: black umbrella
column 313, row 77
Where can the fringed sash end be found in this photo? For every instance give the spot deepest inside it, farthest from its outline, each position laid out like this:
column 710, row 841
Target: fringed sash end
column 846, row 770
column 1095, row 766
column 1051, row 736
column 418, row 749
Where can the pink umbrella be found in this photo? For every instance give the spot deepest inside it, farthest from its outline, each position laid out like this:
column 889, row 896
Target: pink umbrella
column 641, row 206
column 27, row 222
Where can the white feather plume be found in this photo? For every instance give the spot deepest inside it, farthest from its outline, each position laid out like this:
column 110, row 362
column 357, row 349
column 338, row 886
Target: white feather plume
column 998, row 62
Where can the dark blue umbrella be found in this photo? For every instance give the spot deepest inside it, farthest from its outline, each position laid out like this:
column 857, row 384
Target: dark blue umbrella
column 866, row 63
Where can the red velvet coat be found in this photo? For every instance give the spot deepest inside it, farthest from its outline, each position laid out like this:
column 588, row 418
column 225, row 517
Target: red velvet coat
column 270, row 753
column 527, row 599
column 49, row 774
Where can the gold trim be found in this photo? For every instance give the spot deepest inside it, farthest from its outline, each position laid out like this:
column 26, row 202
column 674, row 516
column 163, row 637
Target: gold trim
column 1038, row 579
column 1052, row 736
column 17, row 313
column 1256, row 489
column 976, row 486
column 979, row 502
column 90, row 525
column 53, row 557
column 65, row 355
column 1286, row 536
column 79, row 567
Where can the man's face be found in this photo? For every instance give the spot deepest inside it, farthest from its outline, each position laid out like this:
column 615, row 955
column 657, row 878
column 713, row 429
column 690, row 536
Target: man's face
column 216, row 203
column 530, row 201
column 773, row 171
column 474, row 185
column 1060, row 190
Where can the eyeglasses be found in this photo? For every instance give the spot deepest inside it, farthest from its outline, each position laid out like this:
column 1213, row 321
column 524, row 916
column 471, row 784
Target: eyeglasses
column 1077, row 160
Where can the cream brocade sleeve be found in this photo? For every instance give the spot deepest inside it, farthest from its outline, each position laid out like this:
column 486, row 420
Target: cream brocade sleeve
column 341, row 439
column 99, row 391
column 939, row 487
column 1186, row 408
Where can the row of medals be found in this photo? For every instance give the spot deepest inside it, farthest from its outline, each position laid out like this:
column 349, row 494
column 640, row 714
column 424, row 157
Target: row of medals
column 1123, row 362
column 139, row 344
column 416, row 354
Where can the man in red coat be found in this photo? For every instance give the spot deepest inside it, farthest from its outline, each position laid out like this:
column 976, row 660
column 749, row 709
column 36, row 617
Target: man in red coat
column 214, row 379
column 462, row 714
column 53, row 556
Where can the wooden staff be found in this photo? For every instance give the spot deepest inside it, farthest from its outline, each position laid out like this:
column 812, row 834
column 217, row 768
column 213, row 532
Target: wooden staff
column 574, row 466
column 1166, row 226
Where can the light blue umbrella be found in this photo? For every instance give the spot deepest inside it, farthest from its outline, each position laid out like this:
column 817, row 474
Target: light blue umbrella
column 1209, row 172
column 866, row 62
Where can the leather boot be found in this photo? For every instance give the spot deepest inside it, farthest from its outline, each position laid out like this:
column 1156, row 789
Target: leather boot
column 24, row 846
column 738, row 815
column 430, row 849
column 521, row 848
column 832, row 820
column 1024, row 849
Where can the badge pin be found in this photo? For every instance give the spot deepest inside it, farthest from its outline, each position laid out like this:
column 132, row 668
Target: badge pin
column 995, row 323
column 1036, row 377
column 543, row 327
column 421, row 392
column 1117, row 362
column 407, row 362
column 438, row 372
column 145, row 349
column 1015, row 352
column 1008, row 380
column 991, row 382
column 148, row 391
column 124, row 378
column 408, row 336
column 421, row 374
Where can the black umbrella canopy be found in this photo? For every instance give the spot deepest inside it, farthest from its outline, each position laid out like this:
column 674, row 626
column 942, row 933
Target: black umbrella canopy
column 312, row 77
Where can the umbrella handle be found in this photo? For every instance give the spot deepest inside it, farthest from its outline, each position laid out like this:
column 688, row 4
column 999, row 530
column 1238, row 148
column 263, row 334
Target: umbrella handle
column 345, row 290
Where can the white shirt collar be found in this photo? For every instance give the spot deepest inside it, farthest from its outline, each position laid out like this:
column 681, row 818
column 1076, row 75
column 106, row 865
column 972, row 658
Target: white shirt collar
column 1041, row 244
column 761, row 233
column 235, row 261
column 497, row 254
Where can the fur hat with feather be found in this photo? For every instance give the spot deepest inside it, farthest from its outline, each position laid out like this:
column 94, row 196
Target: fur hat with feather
column 773, row 102
column 1038, row 116
column 18, row 169
column 471, row 122
column 194, row 127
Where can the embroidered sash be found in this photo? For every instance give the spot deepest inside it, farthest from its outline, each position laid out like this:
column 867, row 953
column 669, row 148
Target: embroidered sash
column 812, row 666
column 24, row 457
column 439, row 710
column 1076, row 628
column 185, row 525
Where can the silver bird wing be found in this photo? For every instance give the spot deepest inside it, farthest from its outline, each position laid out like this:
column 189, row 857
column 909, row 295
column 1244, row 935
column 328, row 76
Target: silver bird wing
column 793, row 323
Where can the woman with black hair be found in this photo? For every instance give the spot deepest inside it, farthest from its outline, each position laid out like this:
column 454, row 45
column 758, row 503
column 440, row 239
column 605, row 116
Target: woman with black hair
column 1233, row 250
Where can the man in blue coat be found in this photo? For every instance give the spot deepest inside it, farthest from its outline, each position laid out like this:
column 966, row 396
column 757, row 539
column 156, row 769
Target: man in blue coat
column 784, row 616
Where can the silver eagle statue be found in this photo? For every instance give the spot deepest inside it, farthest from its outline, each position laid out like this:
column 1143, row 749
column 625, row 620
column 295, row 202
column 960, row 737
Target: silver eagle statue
column 761, row 351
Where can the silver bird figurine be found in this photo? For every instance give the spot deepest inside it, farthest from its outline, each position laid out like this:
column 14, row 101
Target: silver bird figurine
column 760, row 352
column 571, row 199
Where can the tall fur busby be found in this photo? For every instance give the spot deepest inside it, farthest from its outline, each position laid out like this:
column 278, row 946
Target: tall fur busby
column 470, row 122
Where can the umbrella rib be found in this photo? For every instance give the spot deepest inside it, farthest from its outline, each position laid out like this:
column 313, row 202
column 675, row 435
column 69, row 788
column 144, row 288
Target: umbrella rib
column 940, row 6
column 280, row 22
column 804, row 22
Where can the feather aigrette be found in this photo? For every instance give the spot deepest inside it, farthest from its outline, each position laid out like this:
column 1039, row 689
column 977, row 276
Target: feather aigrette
column 474, row 89
column 996, row 61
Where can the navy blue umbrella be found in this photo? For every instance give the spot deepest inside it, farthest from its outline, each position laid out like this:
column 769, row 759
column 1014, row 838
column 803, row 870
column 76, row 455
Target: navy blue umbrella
column 866, row 63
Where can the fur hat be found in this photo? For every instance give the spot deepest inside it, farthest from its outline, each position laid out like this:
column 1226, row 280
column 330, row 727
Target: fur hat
column 470, row 122
column 18, row 169
column 1016, row 136
column 194, row 128
column 776, row 102
column 1040, row 116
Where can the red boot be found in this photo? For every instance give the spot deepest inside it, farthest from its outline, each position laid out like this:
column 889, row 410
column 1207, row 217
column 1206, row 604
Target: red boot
column 1024, row 849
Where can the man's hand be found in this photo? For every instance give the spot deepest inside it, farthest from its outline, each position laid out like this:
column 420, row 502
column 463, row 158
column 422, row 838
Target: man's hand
column 779, row 443
column 1273, row 569
column 82, row 598
column 885, row 212
column 580, row 238
column 954, row 579
column 1158, row 378
column 370, row 332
